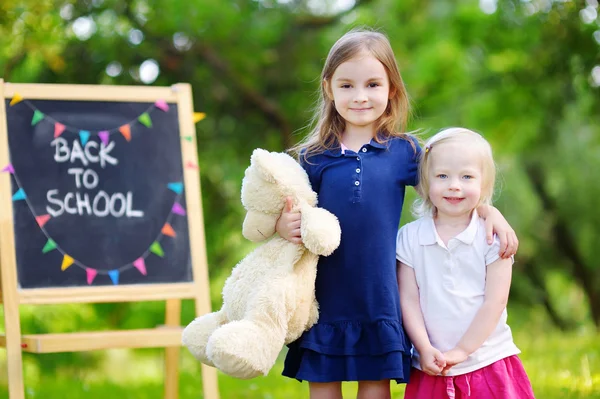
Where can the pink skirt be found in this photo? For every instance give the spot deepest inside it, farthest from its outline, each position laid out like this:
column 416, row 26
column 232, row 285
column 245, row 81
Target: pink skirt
column 504, row 379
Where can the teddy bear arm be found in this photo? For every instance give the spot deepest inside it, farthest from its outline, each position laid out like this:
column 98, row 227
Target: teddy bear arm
column 259, row 226
column 320, row 230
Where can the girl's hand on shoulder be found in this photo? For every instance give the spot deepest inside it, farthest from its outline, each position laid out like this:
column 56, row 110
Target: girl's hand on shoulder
column 453, row 357
column 432, row 361
column 288, row 224
column 496, row 223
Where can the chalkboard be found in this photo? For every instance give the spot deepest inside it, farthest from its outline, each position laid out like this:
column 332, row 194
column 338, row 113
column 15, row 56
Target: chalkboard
column 98, row 194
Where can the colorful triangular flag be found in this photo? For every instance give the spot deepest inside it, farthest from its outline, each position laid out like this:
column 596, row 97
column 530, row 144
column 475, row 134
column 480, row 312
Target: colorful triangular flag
column 162, row 105
column 66, row 263
column 178, row 209
column 198, row 116
column 168, row 230
column 84, row 136
column 140, row 265
column 59, row 128
column 37, row 117
column 156, row 249
column 104, row 136
column 191, row 165
column 19, row 195
column 177, row 187
column 50, row 245
column 17, row 98
column 42, row 219
column 126, row 132
column 9, row 168
column 114, row 276
column 145, row 119
column 91, row 275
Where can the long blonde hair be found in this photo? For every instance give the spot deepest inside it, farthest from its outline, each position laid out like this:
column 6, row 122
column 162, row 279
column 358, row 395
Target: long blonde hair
column 423, row 205
column 327, row 124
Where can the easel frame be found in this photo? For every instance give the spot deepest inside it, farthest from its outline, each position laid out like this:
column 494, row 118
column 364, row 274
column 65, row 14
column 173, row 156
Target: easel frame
column 167, row 336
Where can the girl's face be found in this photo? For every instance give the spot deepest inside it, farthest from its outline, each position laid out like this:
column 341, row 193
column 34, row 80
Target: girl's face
column 455, row 179
column 360, row 90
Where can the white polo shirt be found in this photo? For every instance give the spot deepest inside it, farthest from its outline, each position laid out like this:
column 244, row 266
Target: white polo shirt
column 451, row 284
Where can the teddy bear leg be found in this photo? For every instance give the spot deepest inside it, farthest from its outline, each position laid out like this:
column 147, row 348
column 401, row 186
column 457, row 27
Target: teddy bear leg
column 195, row 336
column 248, row 348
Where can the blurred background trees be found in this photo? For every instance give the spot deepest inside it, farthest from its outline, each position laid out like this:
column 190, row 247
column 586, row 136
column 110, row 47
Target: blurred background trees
column 524, row 73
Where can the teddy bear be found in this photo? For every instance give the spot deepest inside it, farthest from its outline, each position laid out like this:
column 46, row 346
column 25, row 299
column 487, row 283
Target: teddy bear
column 269, row 298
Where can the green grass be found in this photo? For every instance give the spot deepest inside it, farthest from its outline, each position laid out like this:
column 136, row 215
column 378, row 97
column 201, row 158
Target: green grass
column 560, row 365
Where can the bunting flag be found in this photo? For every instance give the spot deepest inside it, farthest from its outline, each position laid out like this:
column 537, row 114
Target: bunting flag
column 140, row 265
column 84, row 136
column 191, row 165
column 59, row 128
column 178, row 209
column 188, row 138
column 145, row 119
column 104, row 135
column 66, row 263
column 9, row 168
column 162, row 105
column 37, row 117
column 198, row 116
column 17, row 98
column 156, row 249
column 42, row 219
column 114, row 276
column 19, row 195
column 176, row 187
column 126, row 132
column 50, row 245
column 168, row 230
column 91, row 275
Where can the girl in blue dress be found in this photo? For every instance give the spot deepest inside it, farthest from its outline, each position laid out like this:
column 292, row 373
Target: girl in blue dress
column 359, row 161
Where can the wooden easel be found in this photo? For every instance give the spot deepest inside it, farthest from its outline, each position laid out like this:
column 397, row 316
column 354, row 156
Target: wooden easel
column 167, row 336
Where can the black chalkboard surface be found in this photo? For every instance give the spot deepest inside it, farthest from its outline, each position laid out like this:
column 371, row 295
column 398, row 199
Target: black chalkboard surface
column 98, row 195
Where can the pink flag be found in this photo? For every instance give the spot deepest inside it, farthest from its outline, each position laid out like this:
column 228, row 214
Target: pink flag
column 9, row 168
column 178, row 209
column 58, row 129
column 104, row 136
column 162, row 104
column 42, row 219
column 91, row 275
column 140, row 265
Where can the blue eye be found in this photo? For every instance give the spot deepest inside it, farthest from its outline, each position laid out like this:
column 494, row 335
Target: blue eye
column 373, row 84
column 442, row 176
column 345, row 86
column 467, row 177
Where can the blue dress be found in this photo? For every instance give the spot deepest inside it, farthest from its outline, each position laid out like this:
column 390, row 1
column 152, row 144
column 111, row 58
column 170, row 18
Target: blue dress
column 359, row 335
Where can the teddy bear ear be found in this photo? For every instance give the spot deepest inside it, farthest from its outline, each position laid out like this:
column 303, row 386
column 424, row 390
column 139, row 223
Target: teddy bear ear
column 262, row 160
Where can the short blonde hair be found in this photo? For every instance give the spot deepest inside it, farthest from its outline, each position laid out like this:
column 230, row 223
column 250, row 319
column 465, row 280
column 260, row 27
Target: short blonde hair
column 423, row 206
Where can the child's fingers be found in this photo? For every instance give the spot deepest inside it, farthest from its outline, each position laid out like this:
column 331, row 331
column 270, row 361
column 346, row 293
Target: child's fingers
column 489, row 231
column 289, row 203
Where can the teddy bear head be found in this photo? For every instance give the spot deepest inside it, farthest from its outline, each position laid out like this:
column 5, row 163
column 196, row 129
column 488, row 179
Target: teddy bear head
column 270, row 178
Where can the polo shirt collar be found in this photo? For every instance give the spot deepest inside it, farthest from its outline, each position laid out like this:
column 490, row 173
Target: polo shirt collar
column 428, row 234
column 337, row 150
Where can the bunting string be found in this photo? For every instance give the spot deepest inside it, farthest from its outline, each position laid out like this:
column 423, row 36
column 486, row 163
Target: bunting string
column 59, row 128
column 68, row 261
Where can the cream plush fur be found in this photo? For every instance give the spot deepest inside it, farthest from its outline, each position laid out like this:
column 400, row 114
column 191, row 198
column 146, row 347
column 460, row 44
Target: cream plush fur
column 269, row 299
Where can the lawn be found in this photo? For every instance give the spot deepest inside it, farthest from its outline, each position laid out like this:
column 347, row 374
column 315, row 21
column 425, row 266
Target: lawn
column 560, row 365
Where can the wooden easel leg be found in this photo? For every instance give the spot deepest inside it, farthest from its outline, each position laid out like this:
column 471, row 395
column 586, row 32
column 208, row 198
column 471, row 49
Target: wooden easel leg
column 14, row 356
column 173, row 318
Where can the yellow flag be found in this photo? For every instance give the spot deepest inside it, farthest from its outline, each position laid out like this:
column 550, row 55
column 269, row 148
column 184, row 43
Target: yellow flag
column 198, row 116
column 67, row 261
column 17, row 98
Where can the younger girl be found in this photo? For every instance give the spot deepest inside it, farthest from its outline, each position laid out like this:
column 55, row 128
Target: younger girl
column 453, row 285
column 359, row 164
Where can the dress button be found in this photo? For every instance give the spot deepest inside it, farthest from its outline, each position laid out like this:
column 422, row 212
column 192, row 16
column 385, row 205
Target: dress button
column 364, row 150
column 358, row 158
column 356, row 183
column 357, row 170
